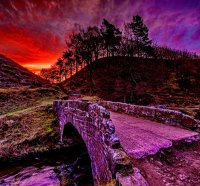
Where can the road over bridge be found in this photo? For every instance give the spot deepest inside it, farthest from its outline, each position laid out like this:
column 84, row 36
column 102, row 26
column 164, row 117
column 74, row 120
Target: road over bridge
column 142, row 137
column 122, row 131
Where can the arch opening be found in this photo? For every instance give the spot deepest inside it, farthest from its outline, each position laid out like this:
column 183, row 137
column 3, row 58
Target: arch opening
column 82, row 173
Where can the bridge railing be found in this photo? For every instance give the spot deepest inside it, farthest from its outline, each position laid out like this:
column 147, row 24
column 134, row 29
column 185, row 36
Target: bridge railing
column 165, row 116
column 81, row 105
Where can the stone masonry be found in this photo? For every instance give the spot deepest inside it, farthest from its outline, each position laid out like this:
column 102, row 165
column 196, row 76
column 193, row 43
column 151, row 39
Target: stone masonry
column 166, row 116
column 110, row 164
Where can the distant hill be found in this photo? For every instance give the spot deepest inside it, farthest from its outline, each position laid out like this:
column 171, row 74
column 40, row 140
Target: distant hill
column 13, row 74
column 142, row 81
column 20, row 88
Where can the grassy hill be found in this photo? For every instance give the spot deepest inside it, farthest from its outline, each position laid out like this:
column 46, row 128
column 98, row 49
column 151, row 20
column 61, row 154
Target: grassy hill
column 13, row 74
column 175, row 84
column 20, row 88
column 27, row 123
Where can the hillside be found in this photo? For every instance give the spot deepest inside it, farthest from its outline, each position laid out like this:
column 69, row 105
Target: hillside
column 175, row 84
column 27, row 121
column 12, row 75
column 29, row 132
column 20, row 88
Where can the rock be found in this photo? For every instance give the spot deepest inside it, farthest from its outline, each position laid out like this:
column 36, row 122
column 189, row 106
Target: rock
column 10, row 122
column 158, row 163
column 151, row 159
column 172, row 178
column 114, row 141
column 30, row 176
column 136, row 179
column 49, row 109
column 182, row 177
column 162, row 106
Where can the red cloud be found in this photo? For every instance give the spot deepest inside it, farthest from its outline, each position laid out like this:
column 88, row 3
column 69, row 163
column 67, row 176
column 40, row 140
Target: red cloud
column 32, row 32
column 28, row 47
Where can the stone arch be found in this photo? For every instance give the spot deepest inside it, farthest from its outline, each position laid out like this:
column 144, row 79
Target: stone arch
column 97, row 153
column 94, row 125
column 70, row 133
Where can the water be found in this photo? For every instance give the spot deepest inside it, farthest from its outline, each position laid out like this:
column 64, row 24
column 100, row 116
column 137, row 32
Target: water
column 57, row 169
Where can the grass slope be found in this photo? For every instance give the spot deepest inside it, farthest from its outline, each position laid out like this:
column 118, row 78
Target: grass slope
column 31, row 130
column 27, row 123
column 175, row 84
column 13, row 74
column 17, row 98
column 20, row 88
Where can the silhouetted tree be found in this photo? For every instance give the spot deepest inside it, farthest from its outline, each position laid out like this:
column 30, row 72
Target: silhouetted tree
column 45, row 73
column 111, row 36
column 54, row 74
column 60, row 65
column 74, row 44
column 84, row 46
column 139, row 34
column 128, row 44
column 68, row 56
column 95, row 41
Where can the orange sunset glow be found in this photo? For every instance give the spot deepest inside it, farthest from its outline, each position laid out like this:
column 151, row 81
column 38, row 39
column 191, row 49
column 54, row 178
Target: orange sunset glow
column 32, row 50
column 100, row 92
column 32, row 33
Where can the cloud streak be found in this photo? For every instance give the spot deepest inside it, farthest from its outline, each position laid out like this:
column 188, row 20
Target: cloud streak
column 32, row 32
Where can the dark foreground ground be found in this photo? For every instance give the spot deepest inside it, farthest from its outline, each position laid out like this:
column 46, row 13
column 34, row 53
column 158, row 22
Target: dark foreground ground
column 31, row 152
column 177, row 162
column 179, row 166
column 31, row 129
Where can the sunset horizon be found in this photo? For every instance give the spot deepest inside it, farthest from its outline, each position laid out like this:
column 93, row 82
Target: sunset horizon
column 33, row 32
column 99, row 92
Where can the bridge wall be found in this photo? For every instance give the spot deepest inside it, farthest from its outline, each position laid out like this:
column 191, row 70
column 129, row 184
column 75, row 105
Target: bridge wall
column 93, row 123
column 166, row 116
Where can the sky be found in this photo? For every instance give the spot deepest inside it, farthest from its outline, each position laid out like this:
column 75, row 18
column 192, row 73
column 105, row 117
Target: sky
column 32, row 32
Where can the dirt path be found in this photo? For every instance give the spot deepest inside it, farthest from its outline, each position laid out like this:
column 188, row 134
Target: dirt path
column 178, row 167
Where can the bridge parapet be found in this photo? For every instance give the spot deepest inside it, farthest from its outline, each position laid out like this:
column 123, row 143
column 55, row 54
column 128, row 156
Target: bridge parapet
column 166, row 116
column 92, row 121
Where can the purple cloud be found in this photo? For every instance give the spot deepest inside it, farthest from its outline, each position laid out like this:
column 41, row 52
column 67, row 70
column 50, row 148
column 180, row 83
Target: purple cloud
column 30, row 26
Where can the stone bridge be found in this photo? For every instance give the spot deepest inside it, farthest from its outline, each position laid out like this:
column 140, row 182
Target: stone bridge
column 98, row 132
column 114, row 138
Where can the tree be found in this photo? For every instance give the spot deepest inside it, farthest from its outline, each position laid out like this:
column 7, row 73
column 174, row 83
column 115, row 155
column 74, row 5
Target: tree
column 86, row 54
column 88, row 49
column 54, row 74
column 69, row 60
column 127, row 44
column 140, row 34
column 45, row 73
column 111, row 36
column 95, row 41
column 60, row 65
column 74, row 45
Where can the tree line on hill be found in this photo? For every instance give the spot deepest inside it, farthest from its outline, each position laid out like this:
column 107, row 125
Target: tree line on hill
column 87, row 45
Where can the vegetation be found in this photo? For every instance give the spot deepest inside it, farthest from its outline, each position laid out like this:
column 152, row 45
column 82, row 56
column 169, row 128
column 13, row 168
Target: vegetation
column 153, row 82
column 14, row 75
column 27, row 123
column 30, row 132
column 87, row 45
column 17, row 98
column 33, row 130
